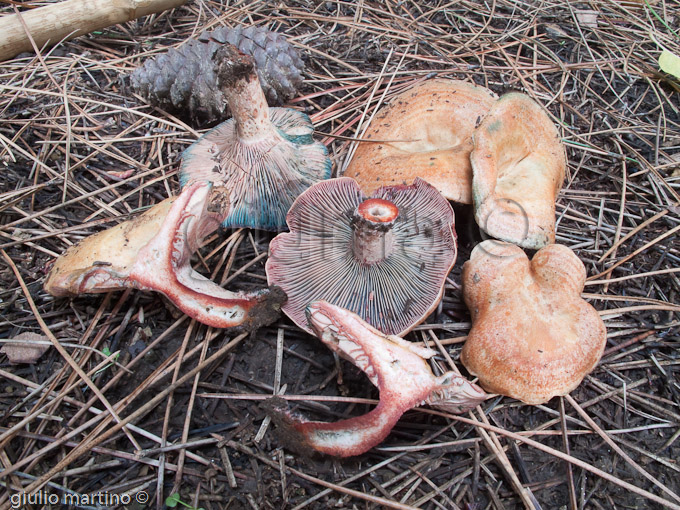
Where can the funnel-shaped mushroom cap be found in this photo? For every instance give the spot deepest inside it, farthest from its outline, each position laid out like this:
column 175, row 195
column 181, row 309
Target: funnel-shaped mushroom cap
column 265, row 157
column 532, row 335
column 518, row 166
column 153, row 251
column 424, row 132
column 385, row 258
column 399, row 370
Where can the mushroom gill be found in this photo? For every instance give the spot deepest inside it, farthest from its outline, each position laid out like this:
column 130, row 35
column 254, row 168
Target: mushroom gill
column 265, row 157
column 384, row 257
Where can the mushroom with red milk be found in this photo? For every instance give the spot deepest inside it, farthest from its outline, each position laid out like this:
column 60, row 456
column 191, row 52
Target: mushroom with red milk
column 384, row 257
column 397, row 367
column 264, row 156
column 152, row 252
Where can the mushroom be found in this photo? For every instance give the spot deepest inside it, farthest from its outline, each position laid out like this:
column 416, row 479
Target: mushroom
column 424, row 132
column 385, row 258
column 264, row 156
column 518, row 165
column 396, row 366
column 153, row 251
column 532, row 335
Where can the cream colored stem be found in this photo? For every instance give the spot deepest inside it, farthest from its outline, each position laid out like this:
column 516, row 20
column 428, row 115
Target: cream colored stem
column 249, row 108
column 372, row 245
column 68, row 19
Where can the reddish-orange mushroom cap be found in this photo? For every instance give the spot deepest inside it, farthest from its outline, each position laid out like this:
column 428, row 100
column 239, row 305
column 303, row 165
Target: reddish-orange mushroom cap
column 423, row 132
column 532, row 335
column 518, row 165
column 384, row 257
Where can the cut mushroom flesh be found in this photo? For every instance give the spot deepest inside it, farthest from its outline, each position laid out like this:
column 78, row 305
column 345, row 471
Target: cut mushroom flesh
column 399, row 370
column 153, row 251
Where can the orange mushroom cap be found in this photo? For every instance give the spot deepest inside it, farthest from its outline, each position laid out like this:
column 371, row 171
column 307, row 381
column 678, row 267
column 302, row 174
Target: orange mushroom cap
column 532, row 335
column 518, row 165
column 427, row 133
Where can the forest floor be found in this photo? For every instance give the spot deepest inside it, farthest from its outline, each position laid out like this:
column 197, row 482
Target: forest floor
column 81, row 152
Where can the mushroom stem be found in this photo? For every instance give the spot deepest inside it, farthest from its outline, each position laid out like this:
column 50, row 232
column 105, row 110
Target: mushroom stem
column 237, row 76
column 265, row 157
column 373, row 239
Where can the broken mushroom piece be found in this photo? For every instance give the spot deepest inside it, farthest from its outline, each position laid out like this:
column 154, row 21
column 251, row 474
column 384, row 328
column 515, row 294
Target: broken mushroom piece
column 265, row 157
column 518, row 165
column 385, row 258
column 532, row 335
column 424, row 132
column 26, row 347
column 396, row 366
column 153, row 251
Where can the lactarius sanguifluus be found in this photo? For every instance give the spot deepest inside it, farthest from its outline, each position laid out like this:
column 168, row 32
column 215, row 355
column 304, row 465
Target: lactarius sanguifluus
column 397, row 367
column 532, row 335
column 153, row 251
column 265, row 157
column 383, row 257
column 518, row 165
column 424, row 132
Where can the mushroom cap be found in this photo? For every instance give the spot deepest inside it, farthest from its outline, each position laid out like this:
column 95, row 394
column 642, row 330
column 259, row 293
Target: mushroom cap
column 532, row 335
column 435, row 119
column 102, row 262
column 263, row 176
column 315, row 260
column 518, row 166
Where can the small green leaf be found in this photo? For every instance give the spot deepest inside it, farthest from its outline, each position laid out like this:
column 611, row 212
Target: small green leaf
column 106, row 351
column 172, row 500
column 670, row 63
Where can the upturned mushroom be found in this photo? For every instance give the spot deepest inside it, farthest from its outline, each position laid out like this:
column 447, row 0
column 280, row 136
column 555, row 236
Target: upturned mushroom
column 532, row 335
column 153, row 251
column 518, row 165
column 396, row 366
column 265, row 157
column 424, row 132
column 384, row 257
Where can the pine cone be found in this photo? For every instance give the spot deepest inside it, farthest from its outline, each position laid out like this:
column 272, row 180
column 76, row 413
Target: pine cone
column 184, row 79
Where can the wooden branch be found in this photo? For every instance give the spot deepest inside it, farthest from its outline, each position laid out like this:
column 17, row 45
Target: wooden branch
column 70, row 18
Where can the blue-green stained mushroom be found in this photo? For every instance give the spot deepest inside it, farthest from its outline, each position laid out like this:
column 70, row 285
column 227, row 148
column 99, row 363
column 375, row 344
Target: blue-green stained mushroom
column 264, row 156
